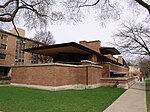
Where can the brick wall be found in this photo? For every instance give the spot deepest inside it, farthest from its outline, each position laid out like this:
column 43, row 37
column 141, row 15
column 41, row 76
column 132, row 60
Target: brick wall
column 10, row 51
column 56, row 74
column 105, row 70
column 117, row 68
column 118, row 82
column 109, row 67
column 94, row 75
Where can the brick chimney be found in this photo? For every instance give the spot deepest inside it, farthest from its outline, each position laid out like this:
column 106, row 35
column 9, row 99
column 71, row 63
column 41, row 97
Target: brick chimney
column 20, row 31
column 94, row 45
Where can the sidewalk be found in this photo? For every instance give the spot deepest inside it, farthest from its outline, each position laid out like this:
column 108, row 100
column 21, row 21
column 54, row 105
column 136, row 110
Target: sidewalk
column 133, row 100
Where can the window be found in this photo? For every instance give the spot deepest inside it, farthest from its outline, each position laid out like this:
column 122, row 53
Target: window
column 4, row 37
column 2, row 56
column 19, row 56
column 3, row 46
column 34, row 59
column 35, row 45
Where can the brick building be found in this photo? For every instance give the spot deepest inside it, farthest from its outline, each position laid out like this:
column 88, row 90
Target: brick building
column 73, row 65
column 11, row 53
column 73, row 53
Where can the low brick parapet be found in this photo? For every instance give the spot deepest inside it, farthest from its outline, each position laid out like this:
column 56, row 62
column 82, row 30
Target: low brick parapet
column 5, row 82
column 120, row 82
column 57, row 75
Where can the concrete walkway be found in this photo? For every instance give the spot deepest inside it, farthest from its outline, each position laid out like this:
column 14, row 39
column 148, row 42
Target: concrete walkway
column 133, row 100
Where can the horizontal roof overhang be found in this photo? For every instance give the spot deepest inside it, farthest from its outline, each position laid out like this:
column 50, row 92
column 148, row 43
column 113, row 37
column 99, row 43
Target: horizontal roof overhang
column 109, row 50
column 72, row 47
column 52, row 50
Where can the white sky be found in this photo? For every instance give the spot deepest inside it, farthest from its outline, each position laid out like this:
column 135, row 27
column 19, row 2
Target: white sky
column 89, row 29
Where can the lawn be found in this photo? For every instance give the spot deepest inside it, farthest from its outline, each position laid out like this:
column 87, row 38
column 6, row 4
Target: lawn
column 15, row 99
column 148, row 94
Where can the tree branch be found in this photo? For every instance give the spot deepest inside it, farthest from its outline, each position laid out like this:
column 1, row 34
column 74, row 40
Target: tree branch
column 6, row 4
column 89, row 5
column 144, row 4
column 133, row 39
column 15, row 28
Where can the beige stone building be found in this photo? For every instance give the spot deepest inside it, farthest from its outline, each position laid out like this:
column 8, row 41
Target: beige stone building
column 134, row 71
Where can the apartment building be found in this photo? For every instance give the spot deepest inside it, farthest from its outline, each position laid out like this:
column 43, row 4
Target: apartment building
column 11, row 53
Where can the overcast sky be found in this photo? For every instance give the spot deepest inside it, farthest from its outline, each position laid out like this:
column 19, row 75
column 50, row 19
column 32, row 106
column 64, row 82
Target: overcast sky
column 89, row 29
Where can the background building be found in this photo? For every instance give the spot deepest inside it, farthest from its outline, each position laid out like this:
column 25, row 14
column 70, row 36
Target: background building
column 134, row 71
column 11, row 53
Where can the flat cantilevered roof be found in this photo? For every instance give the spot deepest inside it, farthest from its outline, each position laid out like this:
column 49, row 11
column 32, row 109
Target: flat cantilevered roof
column 109, row 50
column 52, row 50
column 72, row 47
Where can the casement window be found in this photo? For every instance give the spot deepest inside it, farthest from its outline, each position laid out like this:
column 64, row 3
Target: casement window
column 19, row 56
column 34, row 59
column 2, row 56
column 3, row 46
column 4, row 37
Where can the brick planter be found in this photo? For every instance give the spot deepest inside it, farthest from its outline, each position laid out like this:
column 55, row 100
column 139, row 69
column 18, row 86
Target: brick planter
column 4, row 82
column 118, row 82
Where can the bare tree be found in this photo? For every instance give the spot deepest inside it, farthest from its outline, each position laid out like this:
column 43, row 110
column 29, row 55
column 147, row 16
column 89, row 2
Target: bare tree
column 45, row 37
column 145, row 66
column 133, row 38
column 35, row 13
column 105, row 3
column 105, row 10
